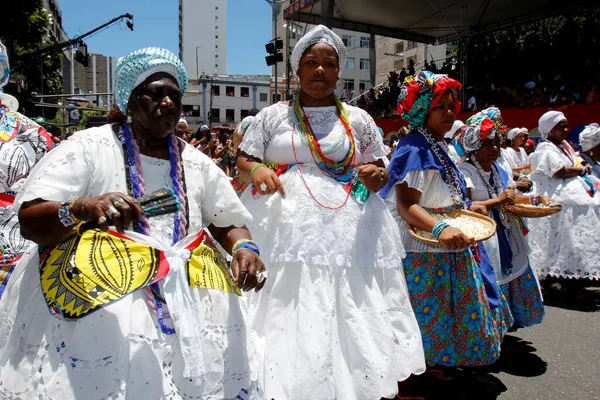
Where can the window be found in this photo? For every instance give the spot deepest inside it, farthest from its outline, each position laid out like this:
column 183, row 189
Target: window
column 215, row 114
column 349, row 63
column 216, row 56
column 216, row 27
column 276, row 100
column 364, row 63
column 216, row 46
column 229, row 91
column 216, row 90
column 216, row 17
column 348, row 40
column 398, row 47
column 412, row 45
column 216, row 65
column 245, row 91
column 216, row 7
column 364, row 42
column 229, row 115
column 398, row 64
column 363, row 85
column 348, row 86
column 216, row 36
column 244, row 113
column 263, row 97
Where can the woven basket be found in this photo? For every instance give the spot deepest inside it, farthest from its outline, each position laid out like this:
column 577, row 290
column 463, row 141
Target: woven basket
column 528, row 211
column 487, row 225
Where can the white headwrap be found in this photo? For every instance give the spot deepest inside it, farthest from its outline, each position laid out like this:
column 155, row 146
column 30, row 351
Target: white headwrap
column 514, row 132
column 548, row 121
column 589, row 137
column 319, row 34
column 455, row 127
column 182, row 120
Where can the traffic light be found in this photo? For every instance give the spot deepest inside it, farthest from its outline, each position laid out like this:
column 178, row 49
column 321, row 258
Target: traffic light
column 273, row 48
column 81, row 56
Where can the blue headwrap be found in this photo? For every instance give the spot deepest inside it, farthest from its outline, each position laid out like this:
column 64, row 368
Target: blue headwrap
column 4, row 67
column 133, row 69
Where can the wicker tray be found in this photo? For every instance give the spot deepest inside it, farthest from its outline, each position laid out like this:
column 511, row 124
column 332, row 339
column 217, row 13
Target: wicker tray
column 529, row 211
column 486, row 227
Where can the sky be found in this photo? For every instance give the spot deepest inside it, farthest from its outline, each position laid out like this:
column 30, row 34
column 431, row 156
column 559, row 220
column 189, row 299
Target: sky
column 156, row 23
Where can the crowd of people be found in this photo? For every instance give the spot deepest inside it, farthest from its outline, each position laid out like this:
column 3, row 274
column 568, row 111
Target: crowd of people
column 380, row 102
column 134, row 267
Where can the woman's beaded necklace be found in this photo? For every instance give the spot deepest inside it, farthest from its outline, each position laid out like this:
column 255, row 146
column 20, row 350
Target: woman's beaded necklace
column 343, row 171
column 136, row 188
column 493, row 192
column 451, row 178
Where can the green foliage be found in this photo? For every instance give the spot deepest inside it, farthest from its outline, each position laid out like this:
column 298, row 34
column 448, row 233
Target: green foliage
column 565, row 45
column 24, row 30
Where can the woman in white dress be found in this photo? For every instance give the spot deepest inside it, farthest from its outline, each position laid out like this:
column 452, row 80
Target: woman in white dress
column 491, row 186
column 560, row 244
column 72, row 323
column 515, row 154
column 334, row 320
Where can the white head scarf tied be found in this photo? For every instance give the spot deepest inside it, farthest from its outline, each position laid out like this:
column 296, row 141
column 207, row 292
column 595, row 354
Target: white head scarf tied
column 184, row 121
column 513, row 133
column 589, row 137
column 455, row 127
column 319, row 34
column 548, row 121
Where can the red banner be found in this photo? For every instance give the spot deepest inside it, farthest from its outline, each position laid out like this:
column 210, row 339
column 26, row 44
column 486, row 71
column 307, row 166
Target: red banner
column 577, row 114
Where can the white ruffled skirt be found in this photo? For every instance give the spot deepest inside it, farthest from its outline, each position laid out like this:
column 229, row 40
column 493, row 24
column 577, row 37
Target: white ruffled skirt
column 118, row 352
column 563, row 245
column 334, row 320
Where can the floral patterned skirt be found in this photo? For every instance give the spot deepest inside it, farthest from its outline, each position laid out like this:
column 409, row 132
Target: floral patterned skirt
column 449, row 301
column 525, row 299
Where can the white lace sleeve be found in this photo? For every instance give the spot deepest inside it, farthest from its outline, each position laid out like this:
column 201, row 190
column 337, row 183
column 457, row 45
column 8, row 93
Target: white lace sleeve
column 547, row 161
column 220, row 204
column 371, row 142
column 258, row 136
column 470, row 174
column 62, row 173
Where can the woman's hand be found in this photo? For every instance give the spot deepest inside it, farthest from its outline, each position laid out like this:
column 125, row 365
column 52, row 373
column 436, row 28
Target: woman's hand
column 245, row 266
column 545, row 200
column 479, row 209
column 117, row 208
column 454, row 239
column 372, row 176
column 507, row 197
column 266, row 181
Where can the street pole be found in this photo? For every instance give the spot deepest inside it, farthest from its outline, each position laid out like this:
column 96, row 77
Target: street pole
column 197, row 70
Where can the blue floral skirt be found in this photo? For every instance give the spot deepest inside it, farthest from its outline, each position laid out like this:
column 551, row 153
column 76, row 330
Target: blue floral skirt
column 449, row 301
column 524, row 299
column 502, row 315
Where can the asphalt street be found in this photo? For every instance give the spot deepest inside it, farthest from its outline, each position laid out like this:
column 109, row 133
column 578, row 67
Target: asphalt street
column 557, row 359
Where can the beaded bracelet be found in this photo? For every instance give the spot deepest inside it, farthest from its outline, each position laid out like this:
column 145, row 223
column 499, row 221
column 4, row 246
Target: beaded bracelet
column 438, row 228
column 65, row 215
column 257, row 166
column 245, row 244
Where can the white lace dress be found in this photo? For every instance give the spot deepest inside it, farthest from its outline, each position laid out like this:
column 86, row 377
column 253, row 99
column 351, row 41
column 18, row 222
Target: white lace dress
column 334, row 320
column 120, row 352
column 562, row 244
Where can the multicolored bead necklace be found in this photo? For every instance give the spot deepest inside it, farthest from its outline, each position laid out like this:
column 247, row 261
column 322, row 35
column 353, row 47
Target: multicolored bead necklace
column 136, row 188
column 453, row 180
column 493, row 190
column 343, row 171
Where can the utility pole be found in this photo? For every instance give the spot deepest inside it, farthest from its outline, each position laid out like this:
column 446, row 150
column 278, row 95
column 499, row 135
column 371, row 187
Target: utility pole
column 275, row 8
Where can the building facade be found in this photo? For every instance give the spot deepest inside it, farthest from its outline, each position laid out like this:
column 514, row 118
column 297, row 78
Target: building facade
column 357, row 74
column 97, row 77
column 224, row 99
column 203, row 37
column 395, row 54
